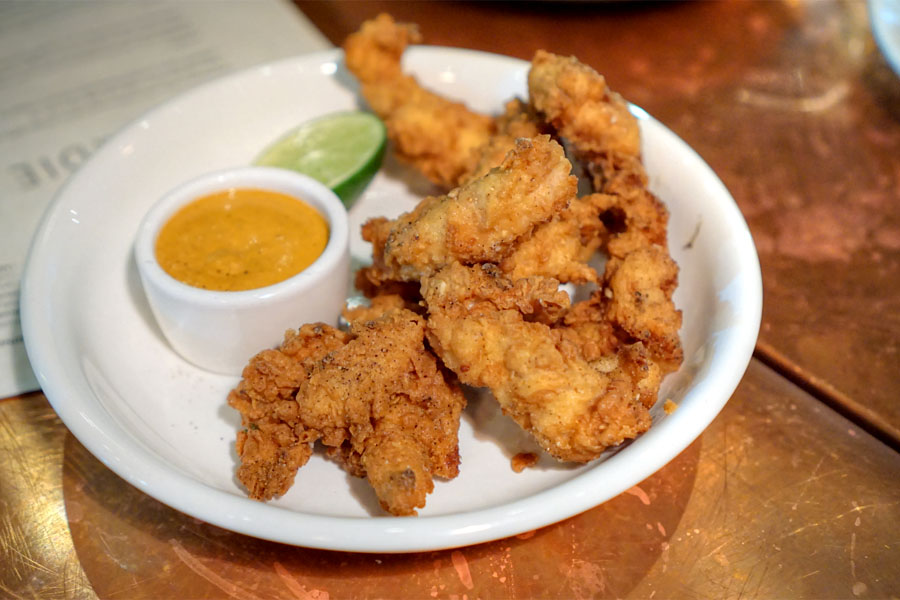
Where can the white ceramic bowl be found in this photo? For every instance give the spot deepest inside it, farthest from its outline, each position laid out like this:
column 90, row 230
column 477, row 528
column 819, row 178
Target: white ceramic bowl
column 163, row 424
column 220, row 331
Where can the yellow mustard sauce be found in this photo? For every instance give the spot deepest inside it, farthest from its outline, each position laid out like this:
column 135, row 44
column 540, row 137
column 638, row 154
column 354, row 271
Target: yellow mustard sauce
column 241, row 239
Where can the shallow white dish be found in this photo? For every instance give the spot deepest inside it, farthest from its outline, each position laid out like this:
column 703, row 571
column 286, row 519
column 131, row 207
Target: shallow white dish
column 163, row 425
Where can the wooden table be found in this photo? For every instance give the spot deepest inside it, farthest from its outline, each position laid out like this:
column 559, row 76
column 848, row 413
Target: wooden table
column 793, row 491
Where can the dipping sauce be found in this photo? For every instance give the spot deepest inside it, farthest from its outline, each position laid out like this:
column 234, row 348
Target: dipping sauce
column 241, row 239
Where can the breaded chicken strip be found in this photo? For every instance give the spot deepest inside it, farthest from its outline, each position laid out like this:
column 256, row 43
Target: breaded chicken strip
column 606, row 137
column 495, row 333
column 562, row 247
column 518, row 120
column 271, row 446
column 375, row 397
column 481, row 221
column 633, row 304
column 639, row 302
column 634, row 218
column 378, row 306
column 640, row 275
column 440, row 137
column 575, row 99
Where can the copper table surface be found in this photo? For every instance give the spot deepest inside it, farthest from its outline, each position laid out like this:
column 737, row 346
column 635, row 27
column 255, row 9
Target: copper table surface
column 793, row 491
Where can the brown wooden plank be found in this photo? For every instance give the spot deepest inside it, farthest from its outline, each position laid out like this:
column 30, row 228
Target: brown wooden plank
column 795, row 109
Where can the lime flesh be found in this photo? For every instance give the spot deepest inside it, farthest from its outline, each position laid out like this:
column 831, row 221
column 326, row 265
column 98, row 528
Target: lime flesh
column 342, row 150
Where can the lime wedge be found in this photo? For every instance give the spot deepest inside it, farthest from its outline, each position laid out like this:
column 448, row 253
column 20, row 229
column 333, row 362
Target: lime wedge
column 342, row 150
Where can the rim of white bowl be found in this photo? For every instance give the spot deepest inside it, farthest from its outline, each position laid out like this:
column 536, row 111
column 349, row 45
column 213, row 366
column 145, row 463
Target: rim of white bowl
column 113, row 445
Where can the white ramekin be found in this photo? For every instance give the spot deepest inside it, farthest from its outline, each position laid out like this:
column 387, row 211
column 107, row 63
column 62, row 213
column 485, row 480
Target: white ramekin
column 221, row 331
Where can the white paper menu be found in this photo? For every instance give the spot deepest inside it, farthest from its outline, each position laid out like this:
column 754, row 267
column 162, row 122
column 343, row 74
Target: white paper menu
column 73, row 72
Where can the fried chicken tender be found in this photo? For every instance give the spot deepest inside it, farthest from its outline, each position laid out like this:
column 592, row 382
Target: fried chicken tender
column 635, row 218
column 562, row 247
column 376, row 397
column 465, row 288
column 639, row 291
column 518, row 120
column 438, row 136
column 496, row 333
column 640, row 275
column 555, row 250
column 606, row 137
column 481, row 221
column 270, row 445
column 377, row 307
column 575, row 99
column 585, row 326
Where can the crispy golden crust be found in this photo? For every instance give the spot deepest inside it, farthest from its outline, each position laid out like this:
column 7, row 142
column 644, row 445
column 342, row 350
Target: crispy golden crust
column 439, row 137
column 640, row 276
column 378, row 306
column 481, row 221
column 495, row 333
column 518, row 120
column 575, row 99
column 639, row 302
column 376, row 397
column 270, row 446
column 373, row 53
column 562, row 247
